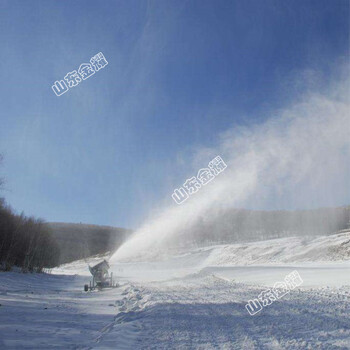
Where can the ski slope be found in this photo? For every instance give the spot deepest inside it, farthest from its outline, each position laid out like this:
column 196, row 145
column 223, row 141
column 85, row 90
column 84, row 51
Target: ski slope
column 192, row 300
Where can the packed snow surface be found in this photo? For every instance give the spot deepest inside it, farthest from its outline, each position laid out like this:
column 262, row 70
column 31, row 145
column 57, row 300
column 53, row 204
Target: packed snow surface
column 192, row 300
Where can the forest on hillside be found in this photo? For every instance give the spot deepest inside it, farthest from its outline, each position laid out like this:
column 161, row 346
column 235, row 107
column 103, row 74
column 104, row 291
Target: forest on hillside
column 32, row 244
column 25, row 242
column 243, row 225
column 79, row 241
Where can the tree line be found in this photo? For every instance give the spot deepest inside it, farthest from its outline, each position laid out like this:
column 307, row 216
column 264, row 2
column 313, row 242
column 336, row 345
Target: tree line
column 242, row 225
column 32, row 244
column 25, row 242
column 79, row 241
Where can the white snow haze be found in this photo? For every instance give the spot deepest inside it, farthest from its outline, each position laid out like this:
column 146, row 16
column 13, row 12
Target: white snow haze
column 299, row 157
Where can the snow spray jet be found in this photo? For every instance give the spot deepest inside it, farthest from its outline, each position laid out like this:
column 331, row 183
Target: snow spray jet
column 300, row 155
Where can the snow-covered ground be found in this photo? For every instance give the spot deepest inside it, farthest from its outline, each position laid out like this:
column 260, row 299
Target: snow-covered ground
column 194, row 300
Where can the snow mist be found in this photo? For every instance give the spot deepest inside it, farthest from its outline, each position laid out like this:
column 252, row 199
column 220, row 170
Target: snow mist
column 299, row 158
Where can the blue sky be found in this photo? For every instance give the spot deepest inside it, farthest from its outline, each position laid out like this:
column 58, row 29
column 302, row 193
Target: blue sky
column 179, row 74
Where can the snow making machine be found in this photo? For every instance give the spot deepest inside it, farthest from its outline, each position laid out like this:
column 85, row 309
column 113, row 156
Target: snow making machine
column 100, row 277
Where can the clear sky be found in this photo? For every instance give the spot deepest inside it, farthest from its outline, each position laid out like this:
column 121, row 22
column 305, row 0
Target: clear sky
column 179, row 73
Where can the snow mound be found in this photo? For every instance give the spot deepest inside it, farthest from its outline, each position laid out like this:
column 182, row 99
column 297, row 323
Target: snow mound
column 79, row 267
column 283, row 251
column 335, row 247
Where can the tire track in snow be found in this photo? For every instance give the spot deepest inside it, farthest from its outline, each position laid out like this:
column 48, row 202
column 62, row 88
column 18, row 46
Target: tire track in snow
column 208, row 312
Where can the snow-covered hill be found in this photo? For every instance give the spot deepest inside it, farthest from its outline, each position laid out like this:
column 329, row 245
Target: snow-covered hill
column 330, row 254
column 284, row 250
column 334, row 247
column 191, row 300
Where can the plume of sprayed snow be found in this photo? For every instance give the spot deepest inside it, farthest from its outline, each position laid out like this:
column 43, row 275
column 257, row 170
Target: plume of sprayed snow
column 301, row 154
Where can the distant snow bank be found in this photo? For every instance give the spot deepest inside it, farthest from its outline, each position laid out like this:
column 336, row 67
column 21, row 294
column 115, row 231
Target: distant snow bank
column 79, row 267
column 330, row 248
column 335, row 247
column 293, row 250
